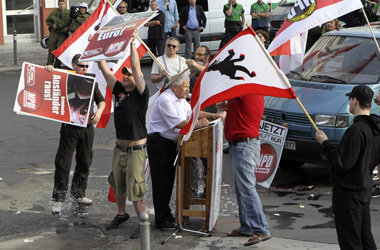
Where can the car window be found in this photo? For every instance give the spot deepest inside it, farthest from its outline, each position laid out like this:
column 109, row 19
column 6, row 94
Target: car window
column 287, row 2
column 340, row 59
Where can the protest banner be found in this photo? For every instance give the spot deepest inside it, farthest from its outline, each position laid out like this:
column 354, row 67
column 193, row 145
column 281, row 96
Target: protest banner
column 58, row 95
column 111, row 42
column 272, row 138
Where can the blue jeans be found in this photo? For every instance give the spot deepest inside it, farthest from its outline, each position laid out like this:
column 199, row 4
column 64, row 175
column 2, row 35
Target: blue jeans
column 245, row 158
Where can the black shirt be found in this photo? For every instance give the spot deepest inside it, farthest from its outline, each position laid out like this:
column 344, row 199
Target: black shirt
column 356, row 156
column 157, row 32
column 130, row 111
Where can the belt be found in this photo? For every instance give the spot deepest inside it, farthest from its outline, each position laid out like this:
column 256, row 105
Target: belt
column 192, row 29
column 132, row 148
column 235, row 142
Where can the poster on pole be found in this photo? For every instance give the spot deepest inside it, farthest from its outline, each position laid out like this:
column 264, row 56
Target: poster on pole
column 111, row 42
column 58, row 95
column 217, row 150
column 272, row 138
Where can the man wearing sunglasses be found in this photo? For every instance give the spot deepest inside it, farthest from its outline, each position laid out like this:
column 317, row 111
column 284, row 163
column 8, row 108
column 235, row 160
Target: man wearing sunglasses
column 128, row 163
column 122, row 8
column 79, row 139
column 172, row 63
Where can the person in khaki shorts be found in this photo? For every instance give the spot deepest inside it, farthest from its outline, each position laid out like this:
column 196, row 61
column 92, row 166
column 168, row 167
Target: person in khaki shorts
column 127, row 173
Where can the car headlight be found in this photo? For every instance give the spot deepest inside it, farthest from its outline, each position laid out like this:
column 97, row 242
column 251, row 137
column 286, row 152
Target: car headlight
column 338, row 121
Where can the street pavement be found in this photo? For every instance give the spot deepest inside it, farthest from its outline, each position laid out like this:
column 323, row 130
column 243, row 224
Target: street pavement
column 298, row 205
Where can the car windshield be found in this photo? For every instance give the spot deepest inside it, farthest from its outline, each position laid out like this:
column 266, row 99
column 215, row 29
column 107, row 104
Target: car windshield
column 340, row 59
column 287, row 2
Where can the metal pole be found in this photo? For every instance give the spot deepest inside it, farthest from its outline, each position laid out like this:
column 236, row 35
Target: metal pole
column 144, row 231
column 15, row 47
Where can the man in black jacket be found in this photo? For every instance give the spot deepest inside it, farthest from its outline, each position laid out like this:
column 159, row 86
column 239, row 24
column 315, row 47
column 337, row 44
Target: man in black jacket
column 192, row 22
column 352, row 164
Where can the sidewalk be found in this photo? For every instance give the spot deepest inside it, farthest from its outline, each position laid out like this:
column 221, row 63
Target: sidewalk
column 26, row 52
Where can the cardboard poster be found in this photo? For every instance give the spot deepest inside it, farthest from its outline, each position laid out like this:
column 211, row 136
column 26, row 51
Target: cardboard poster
column 111, row 42
column 217, row 130
column 58, row 95
column 272, row 138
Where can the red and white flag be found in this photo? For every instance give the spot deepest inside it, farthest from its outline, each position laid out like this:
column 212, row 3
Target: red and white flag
column 307, row 14
column 242, row 67
column 77, row 43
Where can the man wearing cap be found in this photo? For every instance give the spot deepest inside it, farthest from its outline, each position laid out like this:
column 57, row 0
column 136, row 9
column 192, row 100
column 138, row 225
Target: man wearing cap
column 352, row 162
column 79, row 139
column 79, row 18
column 128, row 163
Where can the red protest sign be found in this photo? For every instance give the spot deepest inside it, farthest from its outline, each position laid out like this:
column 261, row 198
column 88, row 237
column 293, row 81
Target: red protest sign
column 111, row 41
column 58, row 95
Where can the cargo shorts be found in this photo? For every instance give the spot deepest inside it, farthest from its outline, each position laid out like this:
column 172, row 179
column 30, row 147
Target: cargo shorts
column 127, row 172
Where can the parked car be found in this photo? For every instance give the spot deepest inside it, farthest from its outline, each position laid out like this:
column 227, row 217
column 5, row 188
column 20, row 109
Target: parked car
column 278, row 15
column 336, row 63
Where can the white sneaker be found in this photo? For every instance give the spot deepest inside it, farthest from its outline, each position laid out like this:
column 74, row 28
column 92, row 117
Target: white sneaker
column 56, row 208
column 84, row 200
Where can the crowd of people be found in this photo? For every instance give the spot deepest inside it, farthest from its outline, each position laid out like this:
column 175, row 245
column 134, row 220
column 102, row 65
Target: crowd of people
column 171, row 112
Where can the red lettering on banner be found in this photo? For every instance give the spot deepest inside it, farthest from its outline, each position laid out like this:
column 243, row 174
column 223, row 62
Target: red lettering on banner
column 267, row 164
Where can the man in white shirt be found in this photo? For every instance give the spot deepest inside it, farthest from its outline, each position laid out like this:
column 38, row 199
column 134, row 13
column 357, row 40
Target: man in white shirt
column 171, row 113
column 172, row 62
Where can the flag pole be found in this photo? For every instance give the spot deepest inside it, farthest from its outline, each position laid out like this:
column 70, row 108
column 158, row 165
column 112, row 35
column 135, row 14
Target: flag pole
column 154, row 57
column 370, row 28
column 285, row 79
column 142, row 42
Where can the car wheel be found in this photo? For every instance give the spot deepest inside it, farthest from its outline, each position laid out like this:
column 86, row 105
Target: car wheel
column 290, row 164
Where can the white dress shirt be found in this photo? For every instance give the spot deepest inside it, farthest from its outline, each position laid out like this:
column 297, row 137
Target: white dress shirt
column 168, row 112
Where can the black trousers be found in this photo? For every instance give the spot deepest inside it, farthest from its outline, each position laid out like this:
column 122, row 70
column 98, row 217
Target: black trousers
column 353, row 220
column 228, row 35
column 161, row 153
column 157, row 46
column 73, row 138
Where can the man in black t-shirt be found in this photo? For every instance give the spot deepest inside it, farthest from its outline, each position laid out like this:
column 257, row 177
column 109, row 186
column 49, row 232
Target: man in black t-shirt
column 128, row 164
column 156, row 31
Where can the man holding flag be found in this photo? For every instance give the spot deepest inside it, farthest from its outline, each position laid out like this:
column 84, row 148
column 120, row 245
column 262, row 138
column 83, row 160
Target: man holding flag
column 128, row 164
column 242, row 133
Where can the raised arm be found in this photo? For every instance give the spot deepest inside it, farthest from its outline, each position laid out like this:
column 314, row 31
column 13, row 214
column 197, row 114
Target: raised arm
column 136, row 68
column 107, row 73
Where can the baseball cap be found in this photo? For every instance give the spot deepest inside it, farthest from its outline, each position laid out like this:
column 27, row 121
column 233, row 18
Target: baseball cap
column 362, row 93
column 126, row 70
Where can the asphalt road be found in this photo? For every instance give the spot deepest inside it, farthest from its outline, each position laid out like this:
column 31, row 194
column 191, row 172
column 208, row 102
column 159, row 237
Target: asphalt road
column 298, row 205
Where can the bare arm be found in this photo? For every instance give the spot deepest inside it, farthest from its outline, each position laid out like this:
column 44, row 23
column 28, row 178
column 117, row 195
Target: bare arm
column 96, row 117
column 229, row 11
column 194, row 65
column 152, row 23
column 156, row 78
column 107, row 73
column 242, row 20
column 136, row 68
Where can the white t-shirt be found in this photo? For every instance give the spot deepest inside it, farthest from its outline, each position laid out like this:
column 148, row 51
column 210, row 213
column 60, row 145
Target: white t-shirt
column 168, row 112
column 172, row 65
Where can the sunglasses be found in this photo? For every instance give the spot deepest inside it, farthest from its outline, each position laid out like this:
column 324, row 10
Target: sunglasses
column 199, row 54
column 82, row 66
column 171, row 46
column 122, row 7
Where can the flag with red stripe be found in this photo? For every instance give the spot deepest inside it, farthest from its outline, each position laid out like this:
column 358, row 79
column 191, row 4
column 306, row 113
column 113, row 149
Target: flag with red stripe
column 242, row 67
column 78, row 41
column 307, row 14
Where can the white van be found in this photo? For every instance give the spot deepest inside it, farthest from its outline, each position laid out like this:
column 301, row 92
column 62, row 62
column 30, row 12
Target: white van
column 214, row 30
